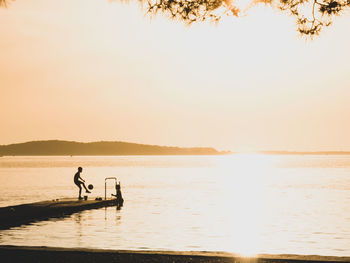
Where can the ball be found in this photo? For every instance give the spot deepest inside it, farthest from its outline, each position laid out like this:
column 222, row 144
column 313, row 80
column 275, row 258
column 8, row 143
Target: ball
column 90, row 186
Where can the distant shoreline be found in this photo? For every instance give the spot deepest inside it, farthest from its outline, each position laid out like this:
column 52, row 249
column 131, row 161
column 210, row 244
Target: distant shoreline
column 305, row 153
column 219, row 154
column 102, row 148
column 117, row 148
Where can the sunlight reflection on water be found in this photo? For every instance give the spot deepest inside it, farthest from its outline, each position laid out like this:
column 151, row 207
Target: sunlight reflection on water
column 238, row 203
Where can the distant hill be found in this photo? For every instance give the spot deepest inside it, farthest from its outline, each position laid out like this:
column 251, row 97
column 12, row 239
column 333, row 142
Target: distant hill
column 56, row 147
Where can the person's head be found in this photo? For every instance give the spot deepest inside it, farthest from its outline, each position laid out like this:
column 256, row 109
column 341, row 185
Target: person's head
column 80, row 169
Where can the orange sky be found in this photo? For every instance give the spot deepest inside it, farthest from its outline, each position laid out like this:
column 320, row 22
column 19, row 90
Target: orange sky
column 90, row 70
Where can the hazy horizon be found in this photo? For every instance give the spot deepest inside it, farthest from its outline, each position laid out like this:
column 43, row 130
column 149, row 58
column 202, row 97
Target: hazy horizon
column 99, row 70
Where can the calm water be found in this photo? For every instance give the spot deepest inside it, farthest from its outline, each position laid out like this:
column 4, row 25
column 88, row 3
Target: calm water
column 241, row 203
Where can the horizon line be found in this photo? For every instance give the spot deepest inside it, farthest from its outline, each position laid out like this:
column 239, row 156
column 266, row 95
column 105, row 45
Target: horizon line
column 227, row 151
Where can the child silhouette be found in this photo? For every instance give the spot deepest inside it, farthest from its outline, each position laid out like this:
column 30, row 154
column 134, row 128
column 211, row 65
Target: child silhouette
column 80, row 181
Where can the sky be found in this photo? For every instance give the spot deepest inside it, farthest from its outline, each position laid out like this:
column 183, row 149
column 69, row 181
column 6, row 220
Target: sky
column 92, row 70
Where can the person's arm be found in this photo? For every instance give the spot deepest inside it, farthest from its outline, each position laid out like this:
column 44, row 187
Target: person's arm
column 81, row 179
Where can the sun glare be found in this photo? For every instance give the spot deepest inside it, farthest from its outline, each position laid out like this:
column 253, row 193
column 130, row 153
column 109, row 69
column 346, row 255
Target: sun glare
column 243, row 191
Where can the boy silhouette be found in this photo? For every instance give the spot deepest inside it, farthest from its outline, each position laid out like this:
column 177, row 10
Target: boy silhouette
column 80, row 181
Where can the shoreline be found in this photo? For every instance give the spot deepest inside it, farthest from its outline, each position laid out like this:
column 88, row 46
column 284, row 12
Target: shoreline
column 54, row 254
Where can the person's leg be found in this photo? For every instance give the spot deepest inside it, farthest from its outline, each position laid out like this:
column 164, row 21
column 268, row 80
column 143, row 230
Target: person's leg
column 78, row 184
column 80, row 192
column 86, row 190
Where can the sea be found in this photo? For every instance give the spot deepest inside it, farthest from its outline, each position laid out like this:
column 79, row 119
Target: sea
column 241, row 203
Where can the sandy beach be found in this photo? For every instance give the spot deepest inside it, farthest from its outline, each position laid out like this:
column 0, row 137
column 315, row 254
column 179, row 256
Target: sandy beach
column 51, row 254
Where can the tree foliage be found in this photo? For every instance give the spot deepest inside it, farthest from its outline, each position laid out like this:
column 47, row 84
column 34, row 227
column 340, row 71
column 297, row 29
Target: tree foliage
column 3, row 3
column 311, row 15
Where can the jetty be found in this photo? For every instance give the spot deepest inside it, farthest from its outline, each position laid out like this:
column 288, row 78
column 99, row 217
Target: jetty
column 17, row 215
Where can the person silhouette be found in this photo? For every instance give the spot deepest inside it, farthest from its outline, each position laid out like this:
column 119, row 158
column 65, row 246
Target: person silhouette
column 80, row 181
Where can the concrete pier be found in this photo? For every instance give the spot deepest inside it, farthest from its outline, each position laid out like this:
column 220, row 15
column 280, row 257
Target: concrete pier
column 22, row 214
